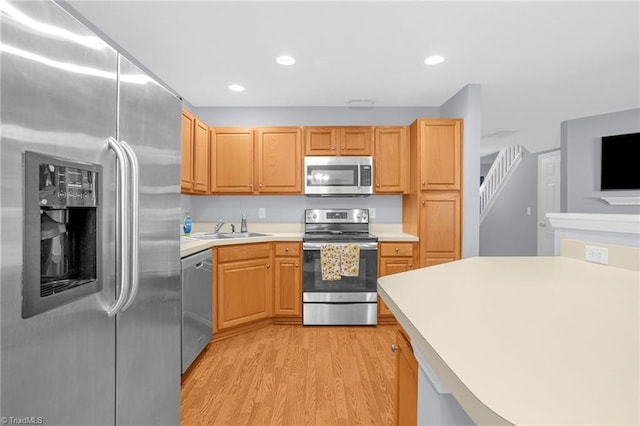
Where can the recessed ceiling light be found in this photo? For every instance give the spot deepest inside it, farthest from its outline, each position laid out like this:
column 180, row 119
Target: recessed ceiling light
column 434, row 60
column 285, row 60
column 236, row 88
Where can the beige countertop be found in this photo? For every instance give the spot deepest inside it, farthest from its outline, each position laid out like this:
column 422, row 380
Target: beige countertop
column 277, row 232
column 527, row 340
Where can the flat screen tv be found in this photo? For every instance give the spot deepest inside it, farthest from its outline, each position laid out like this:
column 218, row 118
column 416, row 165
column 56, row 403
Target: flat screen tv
column 620, row 162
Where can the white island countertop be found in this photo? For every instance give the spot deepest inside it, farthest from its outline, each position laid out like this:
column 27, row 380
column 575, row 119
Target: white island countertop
column 527, row 340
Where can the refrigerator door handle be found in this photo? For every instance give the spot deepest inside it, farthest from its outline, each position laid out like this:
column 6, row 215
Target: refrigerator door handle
column 134, row 187
column 122, row 207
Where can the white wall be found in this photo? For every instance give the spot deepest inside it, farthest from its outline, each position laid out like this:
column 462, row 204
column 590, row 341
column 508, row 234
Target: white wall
column 580, row 168
column 466, row 104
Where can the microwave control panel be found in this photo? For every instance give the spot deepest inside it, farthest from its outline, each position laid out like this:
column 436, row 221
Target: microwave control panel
column 365, row 175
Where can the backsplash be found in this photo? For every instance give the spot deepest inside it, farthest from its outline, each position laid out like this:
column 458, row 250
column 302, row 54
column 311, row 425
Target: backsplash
column 284, row 209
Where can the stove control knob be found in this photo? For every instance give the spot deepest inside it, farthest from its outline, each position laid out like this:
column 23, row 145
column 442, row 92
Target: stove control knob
column 364, row 217
column 359, row 216
column 315, row 216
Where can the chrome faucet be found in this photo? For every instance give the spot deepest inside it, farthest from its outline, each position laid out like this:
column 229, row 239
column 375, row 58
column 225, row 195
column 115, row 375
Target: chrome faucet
column 219, row 225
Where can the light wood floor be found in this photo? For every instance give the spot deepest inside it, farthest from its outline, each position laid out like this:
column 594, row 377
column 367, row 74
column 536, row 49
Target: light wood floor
column 294, row 375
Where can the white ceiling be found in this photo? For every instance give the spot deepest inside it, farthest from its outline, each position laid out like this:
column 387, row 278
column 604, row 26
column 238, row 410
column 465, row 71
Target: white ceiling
column 538, row 63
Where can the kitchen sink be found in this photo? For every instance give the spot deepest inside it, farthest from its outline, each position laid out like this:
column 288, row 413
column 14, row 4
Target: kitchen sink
column 224, row 235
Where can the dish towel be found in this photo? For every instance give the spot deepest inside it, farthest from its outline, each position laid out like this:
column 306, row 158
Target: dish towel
column 330, row 262
column 349, row 260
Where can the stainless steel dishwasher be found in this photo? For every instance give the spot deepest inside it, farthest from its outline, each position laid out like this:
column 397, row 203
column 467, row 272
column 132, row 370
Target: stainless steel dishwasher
column 197, row 312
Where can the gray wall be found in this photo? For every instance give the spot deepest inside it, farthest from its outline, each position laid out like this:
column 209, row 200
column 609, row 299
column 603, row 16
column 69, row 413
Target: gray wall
column 288, row 209
column 283, row 208
column 580, row 167
column 507, row 230
column 466, row 104
column 312, row 116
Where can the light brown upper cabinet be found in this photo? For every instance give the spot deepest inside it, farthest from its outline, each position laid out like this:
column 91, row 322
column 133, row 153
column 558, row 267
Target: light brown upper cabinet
column 428, row 211
column 279, row 160
column 345, row 140
column 440, row 153
column 391, row 155
column 232, row 160
column 256, row 161
column 195, row 155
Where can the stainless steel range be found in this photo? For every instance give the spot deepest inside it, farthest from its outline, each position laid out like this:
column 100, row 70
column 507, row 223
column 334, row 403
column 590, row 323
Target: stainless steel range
column 340, row 268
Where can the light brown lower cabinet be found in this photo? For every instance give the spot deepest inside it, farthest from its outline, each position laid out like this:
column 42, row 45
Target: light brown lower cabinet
column 392, row 259
column 243, row 284
column 407, row 377
column 288, row 282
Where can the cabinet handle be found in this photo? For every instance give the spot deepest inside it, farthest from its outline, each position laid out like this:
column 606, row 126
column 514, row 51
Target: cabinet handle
column 297, row 264
column 394, row 348
column 397, row 249
column 424, row 183
column 424, row 202
column 378, row 185
column 251, row 185
column 286, row 249
column 268, row 266
column 410, row 265
column 260, row 185
column 343, row 148
column 333, row 148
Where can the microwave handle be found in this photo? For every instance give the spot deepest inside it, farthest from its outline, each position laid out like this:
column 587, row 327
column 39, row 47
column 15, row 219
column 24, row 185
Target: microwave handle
column 358, row 175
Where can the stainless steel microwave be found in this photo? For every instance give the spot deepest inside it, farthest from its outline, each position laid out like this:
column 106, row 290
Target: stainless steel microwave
column 338, row 176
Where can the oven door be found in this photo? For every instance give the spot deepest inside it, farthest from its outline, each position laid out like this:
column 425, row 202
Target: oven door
column 360, row 288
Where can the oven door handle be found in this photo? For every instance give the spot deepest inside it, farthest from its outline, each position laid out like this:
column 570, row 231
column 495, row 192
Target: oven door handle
column 317, row 246
column 358, row 175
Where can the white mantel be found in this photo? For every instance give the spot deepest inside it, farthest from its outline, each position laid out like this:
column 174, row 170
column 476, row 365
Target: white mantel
column 619, row 229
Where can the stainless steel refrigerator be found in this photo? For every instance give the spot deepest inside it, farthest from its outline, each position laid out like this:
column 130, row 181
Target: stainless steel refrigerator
column 90, row 264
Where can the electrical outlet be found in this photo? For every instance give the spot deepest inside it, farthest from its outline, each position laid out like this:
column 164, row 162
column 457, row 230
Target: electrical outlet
column 262, row 213
column 596, row 254
column 372, row 213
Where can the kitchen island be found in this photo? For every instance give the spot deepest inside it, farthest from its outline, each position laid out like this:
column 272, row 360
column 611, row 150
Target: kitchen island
column 525, row 340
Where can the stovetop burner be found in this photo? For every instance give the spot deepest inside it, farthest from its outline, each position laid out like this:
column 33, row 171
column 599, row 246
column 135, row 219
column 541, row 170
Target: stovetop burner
column 337, row 225
column 339, row 236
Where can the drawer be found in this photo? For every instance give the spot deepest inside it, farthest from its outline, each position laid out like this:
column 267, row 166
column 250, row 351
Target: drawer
column 243, row 252
column 396, row 249
column 287, row 249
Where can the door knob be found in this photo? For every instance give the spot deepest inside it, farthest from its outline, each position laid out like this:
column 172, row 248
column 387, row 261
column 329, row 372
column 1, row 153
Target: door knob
column 394, row 348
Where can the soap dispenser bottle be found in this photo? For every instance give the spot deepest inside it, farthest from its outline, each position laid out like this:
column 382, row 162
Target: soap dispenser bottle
column 243, row 224
column 186, row 223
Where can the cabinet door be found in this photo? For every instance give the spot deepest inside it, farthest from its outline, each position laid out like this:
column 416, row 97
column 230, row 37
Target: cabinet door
column 288, row 287
column 388, row 266
column 320, row 141
column 186, row 175
column 391, row 150
column 231, row 160
column 243, row 292
column 279, row 160
column 440, row 154
column 201, row 158
column 439, row 228
column 407, row 377
column 355, row 140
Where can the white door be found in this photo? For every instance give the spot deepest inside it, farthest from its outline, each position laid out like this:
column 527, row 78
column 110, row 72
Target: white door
column 548, row 199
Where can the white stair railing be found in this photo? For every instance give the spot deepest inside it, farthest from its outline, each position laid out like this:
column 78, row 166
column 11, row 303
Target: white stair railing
column 501, row 170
